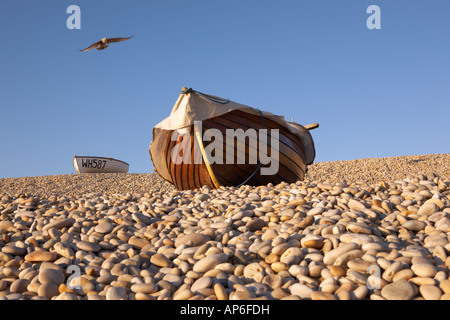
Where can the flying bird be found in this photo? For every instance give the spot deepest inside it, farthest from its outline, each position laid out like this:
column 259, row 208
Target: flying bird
column 103, row 44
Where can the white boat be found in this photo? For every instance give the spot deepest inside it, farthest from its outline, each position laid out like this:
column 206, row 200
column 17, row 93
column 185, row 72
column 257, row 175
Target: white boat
column 88, row 164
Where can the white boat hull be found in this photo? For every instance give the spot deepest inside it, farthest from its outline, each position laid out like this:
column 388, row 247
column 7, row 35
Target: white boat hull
column 83, row 164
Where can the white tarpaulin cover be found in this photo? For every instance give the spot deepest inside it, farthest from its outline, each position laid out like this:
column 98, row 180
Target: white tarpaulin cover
column 195, row 106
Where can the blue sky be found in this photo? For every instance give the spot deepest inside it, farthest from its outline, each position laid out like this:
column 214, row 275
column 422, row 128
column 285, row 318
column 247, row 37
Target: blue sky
column 375, row 93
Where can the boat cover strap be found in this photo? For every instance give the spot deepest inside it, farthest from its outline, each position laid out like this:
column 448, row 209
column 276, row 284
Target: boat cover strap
column 259, row 160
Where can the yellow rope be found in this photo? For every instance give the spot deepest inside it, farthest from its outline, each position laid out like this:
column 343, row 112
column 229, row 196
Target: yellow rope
column 205, row 157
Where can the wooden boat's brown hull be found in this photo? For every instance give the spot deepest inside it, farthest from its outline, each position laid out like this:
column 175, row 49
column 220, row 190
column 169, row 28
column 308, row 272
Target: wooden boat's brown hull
column 194, row 173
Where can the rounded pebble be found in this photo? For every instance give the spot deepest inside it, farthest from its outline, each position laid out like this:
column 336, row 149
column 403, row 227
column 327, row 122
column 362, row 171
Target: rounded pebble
column 209, row 262
column 430, row 292
column 49, row 275
column 116, row 293
column 355, row 229
column 399, row 290
column 88, row 246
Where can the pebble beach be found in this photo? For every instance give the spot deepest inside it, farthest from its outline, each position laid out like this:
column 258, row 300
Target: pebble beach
column 367, row 229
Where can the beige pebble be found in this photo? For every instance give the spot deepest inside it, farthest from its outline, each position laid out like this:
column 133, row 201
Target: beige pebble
column 430, row 292
column 63, row 249
column 297, row 202
column 183, row 294
column 201, row 283
column 361, row 292
column 344, row 295
column 143, row 296
column 306, row 222
column 13, row 250
column 301, row 290
column 48, row 290
column 67, row 296
column 355, row 228
column 255, row 224
column 6, row 225
column 254, row 271
column 191, row 239
column 334, row 254
column 428, row 209
column 11, row 272
column 328, row 287
column 358, row 238
column 88, row 246
column 403, row 274
column 279, row 293
column 319, row 295
column 445, row 286
column 389, row 273
column 414, row 225
column 422, row 280
column 116, row 293
column 140, row 218
column 40, row 256
column 354, row 204
column 220, row 291
column 59, row 224
column 424, row 269
column 399, row 290
column 209, row 262
column 278, row 266
column 81, row 285
column 337, row 271
column 357, row 277
column 138, row 243
column 19, row 285
column 312, row 241
column 292, row 255
column 160, row 260
column 445, row 296
column 239, row 295
column 315, row 211
column 104, row 227
column 50, row 275
column 274, row 281
column 358, row 265
column 202, row 197
column 347, row 256
column 146, row 288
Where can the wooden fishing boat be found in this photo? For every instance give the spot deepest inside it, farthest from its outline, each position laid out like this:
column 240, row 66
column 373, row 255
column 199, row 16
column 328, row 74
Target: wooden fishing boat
column 88, row 164
column 187, row 154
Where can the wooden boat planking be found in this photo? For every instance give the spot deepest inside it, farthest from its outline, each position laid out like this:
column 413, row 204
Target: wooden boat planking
column 191, row 175
column 195, row 113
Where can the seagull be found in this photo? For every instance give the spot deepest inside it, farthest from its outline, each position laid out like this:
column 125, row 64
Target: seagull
column 103, row 44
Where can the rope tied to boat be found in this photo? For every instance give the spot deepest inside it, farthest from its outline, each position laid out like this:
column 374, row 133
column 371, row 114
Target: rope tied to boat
column 259, row 160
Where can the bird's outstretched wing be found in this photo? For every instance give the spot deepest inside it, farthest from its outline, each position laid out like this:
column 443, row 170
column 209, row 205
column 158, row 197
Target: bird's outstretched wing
column 111, row 40
column 92, row 46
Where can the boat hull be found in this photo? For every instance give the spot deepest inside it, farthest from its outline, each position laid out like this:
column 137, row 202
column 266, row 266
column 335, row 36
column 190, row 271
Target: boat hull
column 88, row 164
column 189, row 169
